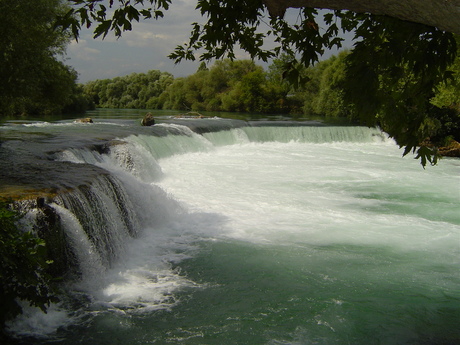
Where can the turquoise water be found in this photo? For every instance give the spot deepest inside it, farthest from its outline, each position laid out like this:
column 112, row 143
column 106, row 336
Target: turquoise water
column 271, row 236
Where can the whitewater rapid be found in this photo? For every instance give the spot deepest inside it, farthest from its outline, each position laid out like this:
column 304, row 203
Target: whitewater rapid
column 309, row 231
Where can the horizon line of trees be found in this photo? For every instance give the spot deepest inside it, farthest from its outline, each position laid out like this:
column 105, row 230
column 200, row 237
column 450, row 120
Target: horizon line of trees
column 244, row 86
column 228, row 85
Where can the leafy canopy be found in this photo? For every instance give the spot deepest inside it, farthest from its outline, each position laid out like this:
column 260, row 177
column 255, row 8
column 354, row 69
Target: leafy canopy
column 394, row 67
column 400, row 65
column 33, row 79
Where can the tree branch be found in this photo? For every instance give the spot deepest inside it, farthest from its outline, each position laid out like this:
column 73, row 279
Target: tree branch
column 442, row 14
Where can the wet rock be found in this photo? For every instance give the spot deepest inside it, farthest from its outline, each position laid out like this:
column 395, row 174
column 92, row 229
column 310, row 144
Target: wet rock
column 451, row 150
column 148, row 120
column 48, row 227
column 84, row 120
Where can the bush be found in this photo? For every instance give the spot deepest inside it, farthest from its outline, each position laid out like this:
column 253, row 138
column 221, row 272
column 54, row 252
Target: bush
column 23, row 267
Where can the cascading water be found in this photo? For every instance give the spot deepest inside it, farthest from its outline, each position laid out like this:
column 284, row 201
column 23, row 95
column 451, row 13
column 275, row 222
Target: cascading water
column 258, row 235
column 105, row 214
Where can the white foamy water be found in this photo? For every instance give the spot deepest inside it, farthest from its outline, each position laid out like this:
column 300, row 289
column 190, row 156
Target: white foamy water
column 349, row 193
column 250, row 236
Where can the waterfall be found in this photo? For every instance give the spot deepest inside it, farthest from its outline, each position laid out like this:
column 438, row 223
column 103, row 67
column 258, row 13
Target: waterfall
column 307, row 134
column 89, row 259
column 144, row 151
column 96, row 221
column 118, row 204
column 100, row 218
column 196, row 233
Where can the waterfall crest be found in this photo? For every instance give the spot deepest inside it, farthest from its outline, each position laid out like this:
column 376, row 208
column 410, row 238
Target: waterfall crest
column 117, row 205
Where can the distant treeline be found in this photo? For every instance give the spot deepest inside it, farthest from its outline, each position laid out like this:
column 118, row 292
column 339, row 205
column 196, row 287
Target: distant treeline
column 243, row 86
column 226, row 86
column 234, row 86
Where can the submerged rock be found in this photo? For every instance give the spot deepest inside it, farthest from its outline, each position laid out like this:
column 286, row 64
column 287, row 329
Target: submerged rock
column 84, row 120
column 190, row 115
column 148, row 120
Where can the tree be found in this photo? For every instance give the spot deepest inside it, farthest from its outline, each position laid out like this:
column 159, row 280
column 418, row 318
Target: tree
column 240, row 23
column 33, row 79
column 228, row 85
column 438, row 13
column 134, row 91
column 408, row 62
column 447, row 97
column 330, row 100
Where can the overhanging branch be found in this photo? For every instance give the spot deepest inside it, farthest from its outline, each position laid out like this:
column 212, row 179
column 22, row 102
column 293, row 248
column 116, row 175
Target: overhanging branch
column 442, row 14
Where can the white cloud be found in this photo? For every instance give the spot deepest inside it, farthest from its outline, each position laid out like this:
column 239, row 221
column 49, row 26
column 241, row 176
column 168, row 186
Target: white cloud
column 144, row 48
column 80, row 51
column 144, row 36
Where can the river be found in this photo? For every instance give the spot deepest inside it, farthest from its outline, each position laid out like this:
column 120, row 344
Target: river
column 268, row 232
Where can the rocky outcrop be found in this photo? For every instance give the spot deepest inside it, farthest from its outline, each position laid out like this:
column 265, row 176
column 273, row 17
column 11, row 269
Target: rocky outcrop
column 442, row 14
column 24, row 177
column 451, row 150
column 148, row 120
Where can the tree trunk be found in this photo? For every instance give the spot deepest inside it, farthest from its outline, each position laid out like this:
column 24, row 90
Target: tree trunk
column 443, row 14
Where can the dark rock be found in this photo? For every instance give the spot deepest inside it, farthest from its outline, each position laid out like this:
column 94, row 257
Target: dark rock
column 48, row 227
column 148, row 120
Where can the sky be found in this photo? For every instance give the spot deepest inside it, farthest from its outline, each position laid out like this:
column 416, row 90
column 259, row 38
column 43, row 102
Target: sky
column 144, row 48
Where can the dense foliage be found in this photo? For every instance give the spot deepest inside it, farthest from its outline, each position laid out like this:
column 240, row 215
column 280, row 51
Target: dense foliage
column 34, row 80
column 408, row 62
column 23, row 267
column 447, row 98
column 320, row 89
column 135, row 91
column 227, row 86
